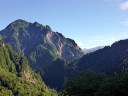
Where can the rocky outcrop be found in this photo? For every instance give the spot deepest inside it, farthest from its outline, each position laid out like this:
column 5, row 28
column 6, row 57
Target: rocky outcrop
column 29, row 77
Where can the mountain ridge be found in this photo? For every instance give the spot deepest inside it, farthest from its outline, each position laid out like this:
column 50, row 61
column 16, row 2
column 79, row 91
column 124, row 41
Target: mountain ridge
column 110, row 60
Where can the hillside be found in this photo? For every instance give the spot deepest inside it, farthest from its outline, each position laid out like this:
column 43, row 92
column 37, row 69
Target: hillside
column 16, row 77
column 111, row 59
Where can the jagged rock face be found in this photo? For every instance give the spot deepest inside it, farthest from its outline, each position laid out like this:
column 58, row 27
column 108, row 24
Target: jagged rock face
column 65, row 47
column 39, row 43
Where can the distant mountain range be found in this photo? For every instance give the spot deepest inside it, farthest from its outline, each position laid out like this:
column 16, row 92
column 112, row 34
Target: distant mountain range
column 86, row 51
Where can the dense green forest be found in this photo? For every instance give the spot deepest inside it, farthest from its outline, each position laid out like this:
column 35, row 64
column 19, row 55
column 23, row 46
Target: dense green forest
column 89, row 83
column 16, row 77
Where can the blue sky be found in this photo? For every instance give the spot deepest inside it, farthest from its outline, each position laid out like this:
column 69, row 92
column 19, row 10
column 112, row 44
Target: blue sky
column 89, row 22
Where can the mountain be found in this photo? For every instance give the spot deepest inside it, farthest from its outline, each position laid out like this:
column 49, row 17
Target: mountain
column 39, row 43
column 17, row 78
column 111, row 59
column 86, row 51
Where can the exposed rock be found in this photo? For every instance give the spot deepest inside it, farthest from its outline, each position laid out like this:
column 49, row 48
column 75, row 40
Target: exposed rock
column 28, row 76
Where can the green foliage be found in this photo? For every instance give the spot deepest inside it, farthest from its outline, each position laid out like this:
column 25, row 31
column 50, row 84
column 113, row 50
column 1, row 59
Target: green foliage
column 38, row 53
column 88, row 83
column 13, row 82
column 19, row 86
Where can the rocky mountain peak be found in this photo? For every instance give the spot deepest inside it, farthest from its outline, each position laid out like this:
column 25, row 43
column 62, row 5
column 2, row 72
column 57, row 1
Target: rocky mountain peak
column 36, row 41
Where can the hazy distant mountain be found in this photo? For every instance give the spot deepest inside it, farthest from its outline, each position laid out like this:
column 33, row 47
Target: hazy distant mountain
column 92, row 49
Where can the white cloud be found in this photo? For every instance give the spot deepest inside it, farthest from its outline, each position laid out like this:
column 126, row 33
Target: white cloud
column 125, row 22
column 124, row 5
column 80, row 44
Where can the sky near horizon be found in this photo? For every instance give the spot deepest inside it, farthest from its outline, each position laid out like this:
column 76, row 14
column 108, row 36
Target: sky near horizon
column 89, row 22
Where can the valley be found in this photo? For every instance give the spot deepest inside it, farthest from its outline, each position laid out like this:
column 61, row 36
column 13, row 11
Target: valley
column 52, row 65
